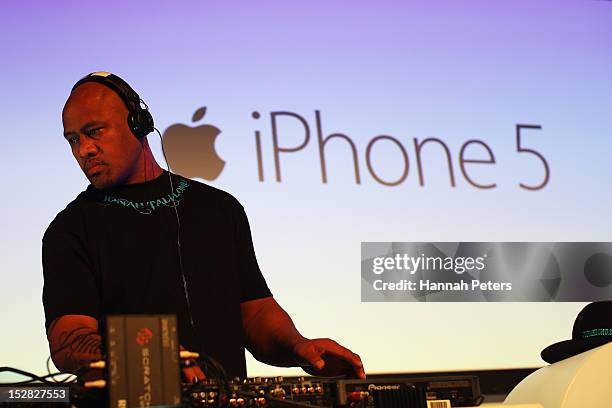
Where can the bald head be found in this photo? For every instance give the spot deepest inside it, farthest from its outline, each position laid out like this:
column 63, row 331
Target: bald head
column 95, row 97
column 95, row 125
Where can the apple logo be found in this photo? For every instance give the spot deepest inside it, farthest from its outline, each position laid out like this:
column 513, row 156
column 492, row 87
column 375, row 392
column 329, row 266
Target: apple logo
column 190, row 151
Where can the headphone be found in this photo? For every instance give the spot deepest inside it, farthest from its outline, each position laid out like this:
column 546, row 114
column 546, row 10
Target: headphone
column 139, row 119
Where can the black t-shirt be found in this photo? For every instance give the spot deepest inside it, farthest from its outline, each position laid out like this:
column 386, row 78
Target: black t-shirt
column 115, row 251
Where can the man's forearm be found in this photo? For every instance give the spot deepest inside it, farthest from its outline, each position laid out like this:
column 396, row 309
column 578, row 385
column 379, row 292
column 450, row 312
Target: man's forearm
column 75, row 350
column 272, row 336
column 74, row 342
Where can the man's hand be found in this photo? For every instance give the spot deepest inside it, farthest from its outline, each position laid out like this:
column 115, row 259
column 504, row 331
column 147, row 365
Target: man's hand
column 192, row 373
column 272, row 338
column 326, row 358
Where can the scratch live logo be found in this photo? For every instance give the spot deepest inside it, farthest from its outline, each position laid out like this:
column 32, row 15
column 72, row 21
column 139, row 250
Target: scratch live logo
column 191, row 152
column 143, row 336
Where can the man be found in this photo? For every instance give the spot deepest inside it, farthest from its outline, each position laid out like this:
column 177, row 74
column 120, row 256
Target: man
column 141, row 240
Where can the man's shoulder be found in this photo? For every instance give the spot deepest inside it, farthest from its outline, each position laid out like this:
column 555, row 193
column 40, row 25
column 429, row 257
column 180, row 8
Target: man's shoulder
column 67, row 218
column 210, row 195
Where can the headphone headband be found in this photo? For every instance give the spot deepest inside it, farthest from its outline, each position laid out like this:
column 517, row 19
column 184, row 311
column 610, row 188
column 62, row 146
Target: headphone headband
column 140, row 120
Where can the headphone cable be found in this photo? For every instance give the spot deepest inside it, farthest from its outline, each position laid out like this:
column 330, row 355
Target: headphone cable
column 178, row 234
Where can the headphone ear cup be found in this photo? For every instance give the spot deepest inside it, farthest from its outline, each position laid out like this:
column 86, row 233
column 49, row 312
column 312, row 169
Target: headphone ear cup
column 140, row 122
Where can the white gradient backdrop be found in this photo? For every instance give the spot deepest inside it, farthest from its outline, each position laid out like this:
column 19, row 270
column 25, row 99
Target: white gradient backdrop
column 455, row 70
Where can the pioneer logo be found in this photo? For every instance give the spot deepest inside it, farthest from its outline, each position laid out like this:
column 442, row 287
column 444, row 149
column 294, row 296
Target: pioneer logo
column 374, row 387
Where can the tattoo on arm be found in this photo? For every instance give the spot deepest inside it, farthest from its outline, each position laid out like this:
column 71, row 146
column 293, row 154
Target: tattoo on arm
column 79, row 346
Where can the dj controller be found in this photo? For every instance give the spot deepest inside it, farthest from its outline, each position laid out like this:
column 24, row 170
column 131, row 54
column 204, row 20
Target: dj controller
column 425, row 392
column 143, row 365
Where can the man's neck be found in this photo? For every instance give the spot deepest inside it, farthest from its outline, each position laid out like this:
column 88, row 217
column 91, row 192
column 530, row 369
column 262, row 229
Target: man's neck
column 147, row 168
column 152, row 170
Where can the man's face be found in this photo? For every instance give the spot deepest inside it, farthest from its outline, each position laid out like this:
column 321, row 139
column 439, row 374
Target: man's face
column 95, row 126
